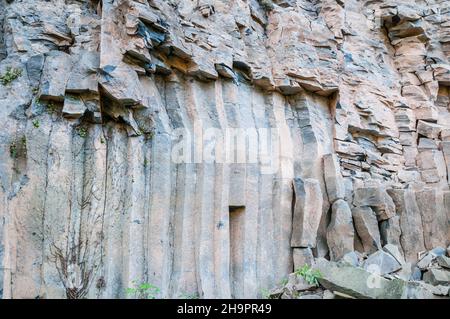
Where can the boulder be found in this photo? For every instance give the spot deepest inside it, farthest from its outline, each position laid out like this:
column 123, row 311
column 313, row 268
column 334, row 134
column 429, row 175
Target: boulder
column 443, row 261
column 436, row 277
column 340, row 231
column 351, row 258
column 307, row 212
column 377, row 198
column 381, row 263
column 357, row 282
column 366, row 226
column 394, row 252
column 427, row 129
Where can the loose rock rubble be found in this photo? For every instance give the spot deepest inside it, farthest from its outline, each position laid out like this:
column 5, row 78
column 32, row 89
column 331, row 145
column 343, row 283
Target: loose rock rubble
column 381, row 275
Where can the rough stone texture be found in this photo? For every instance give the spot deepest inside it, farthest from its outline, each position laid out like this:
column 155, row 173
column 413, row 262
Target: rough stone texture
column 358, row 282
column 437, row 277
column 307, row 212
column 90, row 126
column 340, row 231
column 366, row 226
column 382, row 263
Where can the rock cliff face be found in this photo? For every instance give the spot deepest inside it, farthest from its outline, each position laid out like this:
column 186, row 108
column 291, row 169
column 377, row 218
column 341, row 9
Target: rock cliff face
column 120, row 118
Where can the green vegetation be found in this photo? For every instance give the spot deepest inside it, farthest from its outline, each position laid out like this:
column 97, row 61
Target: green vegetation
column 51, row 107
column 18, row 149
column 36, row 123
column 265, row 293
column 13, row 150
column 10, row 75
column 142, row 290
column 310, row 275
column 82, row 132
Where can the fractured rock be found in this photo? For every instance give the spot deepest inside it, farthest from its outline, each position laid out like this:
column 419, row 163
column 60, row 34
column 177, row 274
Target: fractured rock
column 436, row 277
column 443, row 261
column 410, row 222
column 340, row 231
column 55, row 75
column 428, row 129
column 366, row 226
column 333, row 179
column 377, row 198
column 381, row 263
column 394, row 252
column 307, row 212
column 302, row 256
column 357, row 282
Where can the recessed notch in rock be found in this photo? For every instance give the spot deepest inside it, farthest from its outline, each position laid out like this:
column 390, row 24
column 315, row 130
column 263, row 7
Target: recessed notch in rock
column 224, row 149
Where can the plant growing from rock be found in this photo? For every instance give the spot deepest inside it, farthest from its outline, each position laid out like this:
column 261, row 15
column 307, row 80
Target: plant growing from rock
column 82, row 132
column 77, row 259
column 310, row 275
column 36, row 123
column 10, row 75
column 142, row 290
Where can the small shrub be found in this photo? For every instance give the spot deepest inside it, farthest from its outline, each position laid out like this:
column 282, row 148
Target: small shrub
column 13, row 150
column 51, row 107
column 36, row 123
column 10, row 75
column 35, row 90
column 310, row 275
column 82, row 132
column 142, row 291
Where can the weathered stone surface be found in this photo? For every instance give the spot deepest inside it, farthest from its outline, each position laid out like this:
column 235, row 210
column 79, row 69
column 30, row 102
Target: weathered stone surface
column 390, row 231
column 377, row 198
column 358, row 282
column 55, row 75
column 333, row 178
column 302, row 256
column 434, row 218
column 411, row 238
column 340, row 231
column 98, row 97
column 394, row 252
column 443, row 261
column 382, row 263
column 307, row 212
column 437, row 277
column 366, row 226
column 429, row 130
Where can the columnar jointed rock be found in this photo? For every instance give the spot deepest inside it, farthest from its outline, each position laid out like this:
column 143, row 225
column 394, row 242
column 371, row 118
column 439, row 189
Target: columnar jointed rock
column 340, row 231
column 333, row 178
column 307, row 212
column 100, row 101
column 366, row 226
